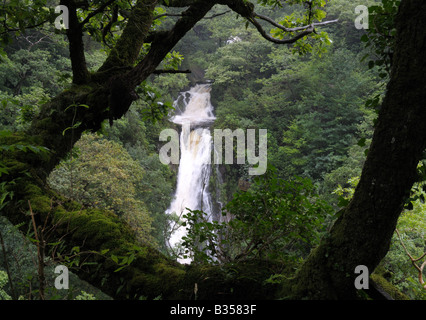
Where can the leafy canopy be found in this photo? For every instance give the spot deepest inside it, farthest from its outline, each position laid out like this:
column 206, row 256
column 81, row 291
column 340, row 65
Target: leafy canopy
column 273, row 219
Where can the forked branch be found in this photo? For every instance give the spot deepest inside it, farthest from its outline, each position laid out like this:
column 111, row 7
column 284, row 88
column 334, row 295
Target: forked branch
column 414, row 261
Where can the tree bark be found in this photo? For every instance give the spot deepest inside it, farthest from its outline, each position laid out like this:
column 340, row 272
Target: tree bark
column 362, row 234
column 76, row 46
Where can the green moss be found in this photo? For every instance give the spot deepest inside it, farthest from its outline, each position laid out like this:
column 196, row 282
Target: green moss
column 170, row 276
column 101, row 228
column 378, row 277
column 151, row 285
column 40, row 203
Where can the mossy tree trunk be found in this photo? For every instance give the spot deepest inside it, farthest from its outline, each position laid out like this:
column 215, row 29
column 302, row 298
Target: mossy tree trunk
column 362, row 234
column 110, row 91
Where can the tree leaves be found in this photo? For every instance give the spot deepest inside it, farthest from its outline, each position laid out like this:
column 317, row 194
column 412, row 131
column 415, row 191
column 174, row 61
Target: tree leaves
column 104, row 175
column 380, row 39
column 17, row 15
column 264, row 220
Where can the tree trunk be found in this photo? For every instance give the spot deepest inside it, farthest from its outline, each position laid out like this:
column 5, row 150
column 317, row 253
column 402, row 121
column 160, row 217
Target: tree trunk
column 362, row 234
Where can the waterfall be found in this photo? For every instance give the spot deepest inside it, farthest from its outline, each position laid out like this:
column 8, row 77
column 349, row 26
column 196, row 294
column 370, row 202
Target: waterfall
column 194, row 113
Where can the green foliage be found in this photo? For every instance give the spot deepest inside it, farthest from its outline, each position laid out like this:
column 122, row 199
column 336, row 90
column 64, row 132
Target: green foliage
column 203, row 236
column 3, row 282
column 112, row 21
column 273, row 219
column 412, row 234
column 85, row 296
column 104, row 175
column 22, row 146
column 26, row 68
column 274, row 3
column 155, row 109
column 17, row 15
column 380, row 39
column 318, row 100
column 313, row 12
column 125, row 260
column 411, row 226
column 36, row 67
column 316, row 107
column 345, row 194
column 6, row 192
column 21, row 257
column 156, row 187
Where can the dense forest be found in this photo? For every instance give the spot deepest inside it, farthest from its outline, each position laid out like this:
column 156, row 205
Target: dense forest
column 83, row 106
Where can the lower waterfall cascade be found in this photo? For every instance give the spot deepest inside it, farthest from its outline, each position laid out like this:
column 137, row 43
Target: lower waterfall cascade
column 194, row 113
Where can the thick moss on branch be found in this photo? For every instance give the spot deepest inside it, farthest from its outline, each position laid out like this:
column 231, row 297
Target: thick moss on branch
column 378, row 277
column 151, row 274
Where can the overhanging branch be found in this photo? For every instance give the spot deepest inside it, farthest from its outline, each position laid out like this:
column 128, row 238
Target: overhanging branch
column 180, row 15
column 296, row 29
column 163, row 42
column 268, row 37
column 246, row 10
column 161, row 71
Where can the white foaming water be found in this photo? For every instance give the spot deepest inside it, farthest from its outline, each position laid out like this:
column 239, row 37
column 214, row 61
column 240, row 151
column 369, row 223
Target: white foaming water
column 195, row 158
column 197, row 106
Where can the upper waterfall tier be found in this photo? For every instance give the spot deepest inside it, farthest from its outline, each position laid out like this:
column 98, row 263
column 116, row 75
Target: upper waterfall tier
column 194, row 106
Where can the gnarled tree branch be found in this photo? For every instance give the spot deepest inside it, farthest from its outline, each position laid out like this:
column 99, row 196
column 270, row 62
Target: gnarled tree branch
column 296, row 29
column 131, row 40
column 160, row 46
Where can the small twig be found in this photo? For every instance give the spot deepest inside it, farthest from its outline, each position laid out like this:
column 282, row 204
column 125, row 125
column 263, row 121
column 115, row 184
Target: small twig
column 40, row 253
column 167, row 15
column 32, row 44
